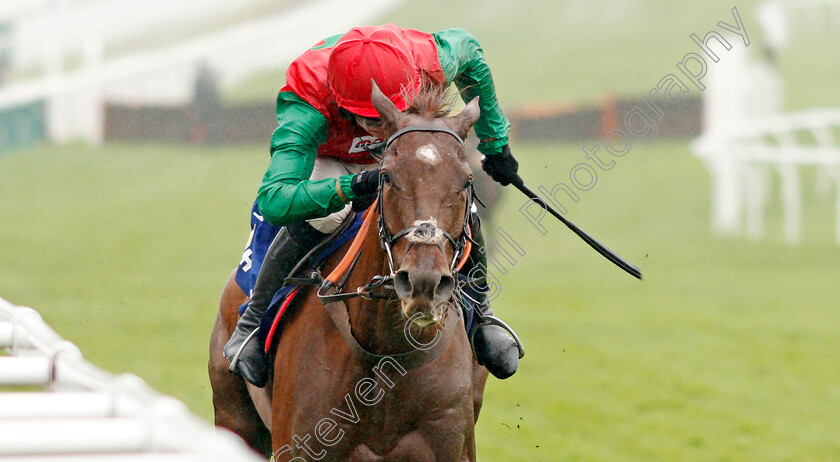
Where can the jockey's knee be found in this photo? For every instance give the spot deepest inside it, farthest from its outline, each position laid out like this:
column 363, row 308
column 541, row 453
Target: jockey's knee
column 305, row 234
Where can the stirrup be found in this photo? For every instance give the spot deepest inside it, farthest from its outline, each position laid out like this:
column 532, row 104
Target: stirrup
column 234, row 361
column 490, row 320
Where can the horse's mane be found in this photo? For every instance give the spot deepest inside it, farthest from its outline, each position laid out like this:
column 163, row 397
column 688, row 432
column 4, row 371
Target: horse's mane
column 431, row 101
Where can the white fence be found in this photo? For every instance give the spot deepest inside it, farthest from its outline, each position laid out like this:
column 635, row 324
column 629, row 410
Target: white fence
column 782, row 21
column 87, row 414
column 742, row 159
column 167, row 75
column 747, row 137
column 42, row 29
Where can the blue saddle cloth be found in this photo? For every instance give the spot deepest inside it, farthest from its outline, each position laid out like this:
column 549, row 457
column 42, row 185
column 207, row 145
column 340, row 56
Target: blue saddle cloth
column 326, row 252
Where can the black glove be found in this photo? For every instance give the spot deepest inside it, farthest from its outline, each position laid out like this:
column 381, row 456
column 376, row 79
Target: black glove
column 365, row 183
column 361, row 203
column 502, row 167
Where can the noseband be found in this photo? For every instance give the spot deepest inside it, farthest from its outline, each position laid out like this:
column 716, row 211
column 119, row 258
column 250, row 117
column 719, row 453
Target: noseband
column 425, row 230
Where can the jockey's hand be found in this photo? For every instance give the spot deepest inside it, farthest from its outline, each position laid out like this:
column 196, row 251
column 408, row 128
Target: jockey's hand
column 502, row 167
column 365, row 183
column 361, row 203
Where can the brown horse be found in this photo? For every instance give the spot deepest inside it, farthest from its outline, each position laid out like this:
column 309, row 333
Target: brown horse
column 376, row 378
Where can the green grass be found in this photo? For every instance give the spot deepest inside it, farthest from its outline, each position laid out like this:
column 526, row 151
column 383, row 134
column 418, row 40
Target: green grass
column 125, row 249
column 724, row 352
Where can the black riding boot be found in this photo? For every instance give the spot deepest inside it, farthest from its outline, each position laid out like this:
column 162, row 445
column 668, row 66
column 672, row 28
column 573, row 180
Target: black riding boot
column 247, row 357
column 495, row 347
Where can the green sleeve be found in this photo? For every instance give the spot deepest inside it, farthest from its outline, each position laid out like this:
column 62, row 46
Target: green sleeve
column 286, row 194
column 462, row 61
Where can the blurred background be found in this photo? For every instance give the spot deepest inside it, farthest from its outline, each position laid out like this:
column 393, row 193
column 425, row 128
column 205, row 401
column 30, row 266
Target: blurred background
column 134, row 135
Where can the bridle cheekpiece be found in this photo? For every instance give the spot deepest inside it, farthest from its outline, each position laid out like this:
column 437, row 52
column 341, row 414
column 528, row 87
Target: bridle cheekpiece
column 424, row 229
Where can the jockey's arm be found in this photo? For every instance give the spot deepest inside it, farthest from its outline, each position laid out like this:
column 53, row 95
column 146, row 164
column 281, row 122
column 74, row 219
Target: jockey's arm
column 462, row 60
column 286, row 194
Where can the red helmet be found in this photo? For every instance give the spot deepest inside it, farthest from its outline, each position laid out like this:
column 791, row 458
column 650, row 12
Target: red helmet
column 366, row 53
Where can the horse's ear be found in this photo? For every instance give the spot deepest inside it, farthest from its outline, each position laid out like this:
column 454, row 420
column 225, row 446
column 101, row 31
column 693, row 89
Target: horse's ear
column 386, row 109
column 465, row 120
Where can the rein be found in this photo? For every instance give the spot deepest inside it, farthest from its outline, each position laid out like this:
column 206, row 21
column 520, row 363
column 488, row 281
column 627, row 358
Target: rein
column 330, row 290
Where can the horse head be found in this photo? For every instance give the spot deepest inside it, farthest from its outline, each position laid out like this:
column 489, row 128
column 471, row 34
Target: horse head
column 425, row 192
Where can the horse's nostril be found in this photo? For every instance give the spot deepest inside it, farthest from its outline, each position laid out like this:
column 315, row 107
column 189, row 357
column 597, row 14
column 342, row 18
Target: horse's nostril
column 402, row 284
column 424, row 230
column 444, row 288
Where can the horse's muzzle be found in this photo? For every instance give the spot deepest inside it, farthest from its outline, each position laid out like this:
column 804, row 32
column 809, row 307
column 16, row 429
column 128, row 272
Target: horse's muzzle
column 423, row 290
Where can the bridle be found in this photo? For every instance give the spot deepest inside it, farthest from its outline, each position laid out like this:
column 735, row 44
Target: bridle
column 330, row 290
column 424, row 230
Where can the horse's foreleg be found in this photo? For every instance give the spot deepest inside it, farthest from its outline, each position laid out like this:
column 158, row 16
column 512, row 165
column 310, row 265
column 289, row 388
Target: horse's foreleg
column 233, row 407
column 480, row 374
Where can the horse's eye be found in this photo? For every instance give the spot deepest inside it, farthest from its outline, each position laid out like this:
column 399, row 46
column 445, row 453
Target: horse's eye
column 386, row 178
column 468, row 183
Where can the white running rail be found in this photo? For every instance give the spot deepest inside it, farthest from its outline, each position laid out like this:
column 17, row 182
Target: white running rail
column 167, row 75
column 87, row 414
column 747, row 137
column 741, row 159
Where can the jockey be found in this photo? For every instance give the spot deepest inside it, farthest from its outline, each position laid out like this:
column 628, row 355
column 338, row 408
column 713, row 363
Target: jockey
column 319, row 162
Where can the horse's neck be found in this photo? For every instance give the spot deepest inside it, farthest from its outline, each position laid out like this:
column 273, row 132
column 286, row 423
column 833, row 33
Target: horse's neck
column 377, row 324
